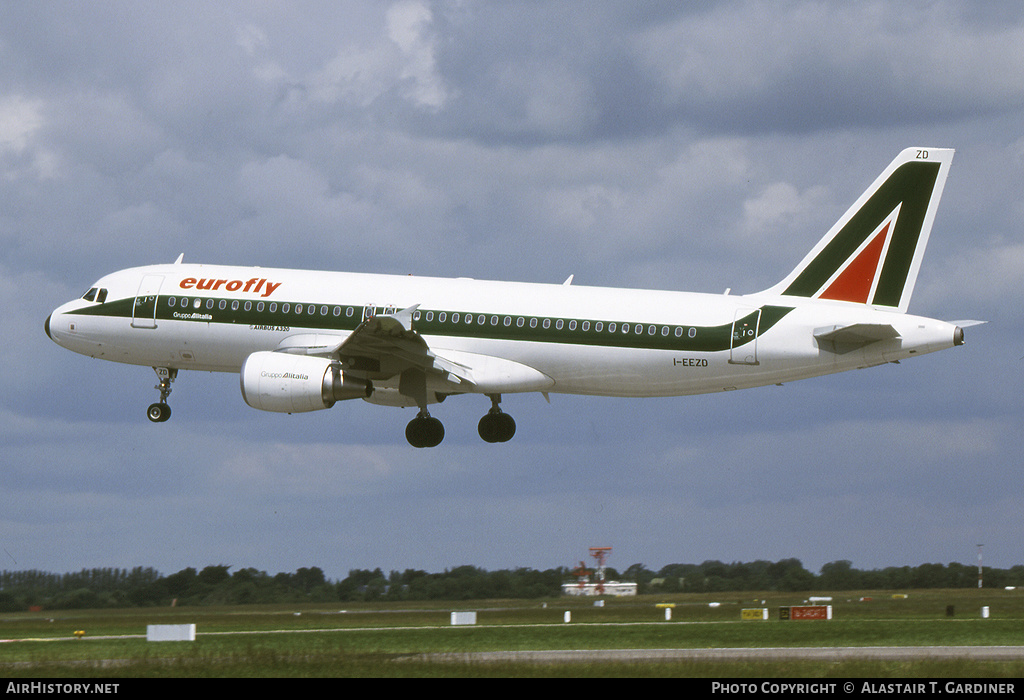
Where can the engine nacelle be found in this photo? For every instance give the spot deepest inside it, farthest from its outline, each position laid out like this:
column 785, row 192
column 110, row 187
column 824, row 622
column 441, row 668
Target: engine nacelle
column 286, row 383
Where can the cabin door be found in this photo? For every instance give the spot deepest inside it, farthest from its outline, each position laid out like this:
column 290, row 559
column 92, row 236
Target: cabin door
column 743, row 346
column 144, row 310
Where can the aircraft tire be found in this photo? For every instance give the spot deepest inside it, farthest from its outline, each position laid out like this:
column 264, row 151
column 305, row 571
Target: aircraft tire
column 424, row 432
column 496, row 427
column 158, row 412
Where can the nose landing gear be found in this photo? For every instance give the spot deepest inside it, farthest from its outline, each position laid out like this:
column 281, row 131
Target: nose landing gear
column 160, row 412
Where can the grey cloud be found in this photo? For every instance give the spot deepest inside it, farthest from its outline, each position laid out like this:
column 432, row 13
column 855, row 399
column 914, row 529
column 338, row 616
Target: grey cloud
column 666, row 145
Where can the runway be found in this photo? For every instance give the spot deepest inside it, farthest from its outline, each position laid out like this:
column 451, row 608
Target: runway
column 986, row 653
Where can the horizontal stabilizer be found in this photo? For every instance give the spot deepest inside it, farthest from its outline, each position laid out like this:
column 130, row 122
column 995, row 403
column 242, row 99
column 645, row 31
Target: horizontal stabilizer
column 844, row 339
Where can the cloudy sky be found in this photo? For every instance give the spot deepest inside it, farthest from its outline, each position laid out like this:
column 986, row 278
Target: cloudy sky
column 664, row 145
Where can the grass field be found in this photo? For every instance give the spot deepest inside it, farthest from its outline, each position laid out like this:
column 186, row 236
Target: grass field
column 390, row 639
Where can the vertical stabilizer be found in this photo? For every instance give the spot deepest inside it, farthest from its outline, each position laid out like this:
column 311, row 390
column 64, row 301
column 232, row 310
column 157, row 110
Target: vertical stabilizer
column 873, row 253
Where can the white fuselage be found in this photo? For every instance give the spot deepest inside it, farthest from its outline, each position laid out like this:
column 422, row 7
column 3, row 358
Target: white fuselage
column 573, row 339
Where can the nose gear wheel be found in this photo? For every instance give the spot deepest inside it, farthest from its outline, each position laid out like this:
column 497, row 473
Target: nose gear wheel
column 159, row 412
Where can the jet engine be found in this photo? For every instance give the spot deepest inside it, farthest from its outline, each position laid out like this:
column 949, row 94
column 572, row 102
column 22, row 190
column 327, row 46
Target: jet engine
column 286, row 383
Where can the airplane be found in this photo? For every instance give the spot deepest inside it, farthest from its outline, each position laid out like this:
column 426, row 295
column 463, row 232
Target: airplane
column 304, row 340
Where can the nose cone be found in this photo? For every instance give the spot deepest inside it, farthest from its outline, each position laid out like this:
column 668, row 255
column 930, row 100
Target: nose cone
column 46, row 327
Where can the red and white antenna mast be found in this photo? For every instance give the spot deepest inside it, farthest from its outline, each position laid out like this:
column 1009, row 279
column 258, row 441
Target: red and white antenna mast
column 582, row 574
column 600, row 554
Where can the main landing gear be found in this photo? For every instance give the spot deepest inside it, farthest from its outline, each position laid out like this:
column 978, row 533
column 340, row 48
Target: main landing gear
column 424, row 431
column 160, row 411
column 495, row 426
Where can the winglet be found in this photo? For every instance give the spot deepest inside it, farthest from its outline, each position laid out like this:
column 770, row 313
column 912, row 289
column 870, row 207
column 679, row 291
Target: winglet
column 405, row 316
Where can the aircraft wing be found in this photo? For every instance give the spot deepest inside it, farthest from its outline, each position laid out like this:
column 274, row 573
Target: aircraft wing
column 388, row 345
column 385, row 346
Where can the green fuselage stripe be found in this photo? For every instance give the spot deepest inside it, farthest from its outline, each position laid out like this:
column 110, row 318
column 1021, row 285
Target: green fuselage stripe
column 536, row 329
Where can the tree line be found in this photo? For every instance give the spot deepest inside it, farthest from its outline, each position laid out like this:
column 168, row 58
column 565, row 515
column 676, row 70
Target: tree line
column 218, row 585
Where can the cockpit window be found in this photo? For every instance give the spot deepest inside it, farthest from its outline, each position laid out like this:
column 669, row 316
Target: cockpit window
column 96, row 294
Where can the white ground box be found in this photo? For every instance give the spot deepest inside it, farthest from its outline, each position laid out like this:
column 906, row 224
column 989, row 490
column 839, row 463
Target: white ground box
column 464, row 618
column 171, row 633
